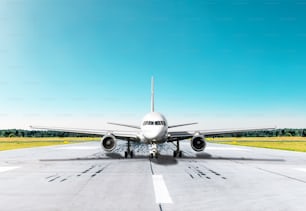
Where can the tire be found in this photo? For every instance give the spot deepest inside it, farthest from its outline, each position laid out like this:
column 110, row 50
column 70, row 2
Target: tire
column 180, row 154
column 174, row 154
column 125, row 154
column 132, row 154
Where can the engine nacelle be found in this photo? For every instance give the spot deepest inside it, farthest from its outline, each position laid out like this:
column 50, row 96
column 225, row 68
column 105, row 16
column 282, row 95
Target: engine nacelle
column 198, row 143
column 109, row 143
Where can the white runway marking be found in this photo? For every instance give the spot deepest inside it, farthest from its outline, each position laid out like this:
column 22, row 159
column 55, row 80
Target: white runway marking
column 161, row 192
column 7, row 168
column 227, row 148
column 301, row 169
column 79, row 147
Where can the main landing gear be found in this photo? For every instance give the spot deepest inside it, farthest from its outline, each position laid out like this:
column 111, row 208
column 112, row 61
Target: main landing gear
column 129, row 152
column 177, row 152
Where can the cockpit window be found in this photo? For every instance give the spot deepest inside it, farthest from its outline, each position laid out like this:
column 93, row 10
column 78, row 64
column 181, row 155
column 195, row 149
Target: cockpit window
column 160, row 123
column 154, row 123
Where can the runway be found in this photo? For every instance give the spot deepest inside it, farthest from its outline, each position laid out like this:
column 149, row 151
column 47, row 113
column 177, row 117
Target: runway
column 82, row 177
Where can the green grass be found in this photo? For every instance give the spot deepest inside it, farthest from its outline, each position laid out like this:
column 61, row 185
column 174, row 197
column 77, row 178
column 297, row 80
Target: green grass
column 17, row 143
column 283, row 143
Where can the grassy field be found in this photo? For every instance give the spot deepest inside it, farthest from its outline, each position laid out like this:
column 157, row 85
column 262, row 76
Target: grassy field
column 284, row 143
column 16, row 143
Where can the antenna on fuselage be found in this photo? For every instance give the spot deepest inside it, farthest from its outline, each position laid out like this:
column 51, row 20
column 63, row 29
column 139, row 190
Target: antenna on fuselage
column 152, row 94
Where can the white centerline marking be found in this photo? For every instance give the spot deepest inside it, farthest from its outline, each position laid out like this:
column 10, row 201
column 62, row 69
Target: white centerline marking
column 161, row 192
column 7, row 168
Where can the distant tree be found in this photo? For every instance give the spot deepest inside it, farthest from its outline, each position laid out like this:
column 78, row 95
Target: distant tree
column 288, row 134
column 11, row 135
column 303, row 132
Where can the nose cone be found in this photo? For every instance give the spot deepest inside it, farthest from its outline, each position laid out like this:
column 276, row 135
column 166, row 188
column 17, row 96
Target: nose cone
column 153, row 133
column 150, row 134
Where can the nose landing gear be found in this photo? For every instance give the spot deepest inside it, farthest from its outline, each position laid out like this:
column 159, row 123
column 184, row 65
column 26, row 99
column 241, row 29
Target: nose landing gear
column 153, row 151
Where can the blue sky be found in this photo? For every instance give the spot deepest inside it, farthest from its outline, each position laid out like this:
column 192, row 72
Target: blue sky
column 221, row 63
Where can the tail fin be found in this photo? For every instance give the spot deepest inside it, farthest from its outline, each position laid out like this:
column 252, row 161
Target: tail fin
column 152, row 94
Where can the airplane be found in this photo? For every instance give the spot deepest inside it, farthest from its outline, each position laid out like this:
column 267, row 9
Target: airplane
column 153, row 130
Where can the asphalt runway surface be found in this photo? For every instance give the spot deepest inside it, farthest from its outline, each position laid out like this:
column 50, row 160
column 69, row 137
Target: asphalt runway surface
column 83, row 177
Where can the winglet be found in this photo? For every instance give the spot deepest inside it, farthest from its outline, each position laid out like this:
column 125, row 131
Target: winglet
column 152, row 94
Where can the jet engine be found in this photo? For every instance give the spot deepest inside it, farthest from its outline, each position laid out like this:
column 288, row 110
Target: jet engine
column 109, row 143
column 198, row 143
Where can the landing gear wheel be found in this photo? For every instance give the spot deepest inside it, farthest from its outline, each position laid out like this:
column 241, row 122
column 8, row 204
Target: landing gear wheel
column 174, row 154
column 132, row 154
column 125, row 154
column 180, row 154
column 153, row 155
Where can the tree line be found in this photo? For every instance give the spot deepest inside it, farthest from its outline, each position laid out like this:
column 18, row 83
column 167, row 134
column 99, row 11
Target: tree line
column 269, row 133
column 39, row 133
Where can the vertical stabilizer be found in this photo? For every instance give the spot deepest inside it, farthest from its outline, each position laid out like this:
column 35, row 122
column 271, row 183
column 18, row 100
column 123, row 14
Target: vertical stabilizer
column 152, row 94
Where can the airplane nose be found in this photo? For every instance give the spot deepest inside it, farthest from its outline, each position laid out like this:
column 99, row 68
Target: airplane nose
column 152, row 134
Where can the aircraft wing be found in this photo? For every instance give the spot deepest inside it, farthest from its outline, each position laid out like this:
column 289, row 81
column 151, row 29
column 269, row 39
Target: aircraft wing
column 123, row 135
column 181, row 135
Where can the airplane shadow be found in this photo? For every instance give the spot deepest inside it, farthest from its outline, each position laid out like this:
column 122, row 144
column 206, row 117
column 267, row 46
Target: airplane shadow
column 163, row 159
column 208, row 156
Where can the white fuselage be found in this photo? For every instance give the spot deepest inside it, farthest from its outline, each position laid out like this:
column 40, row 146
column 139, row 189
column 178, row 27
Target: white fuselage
column 154, row 128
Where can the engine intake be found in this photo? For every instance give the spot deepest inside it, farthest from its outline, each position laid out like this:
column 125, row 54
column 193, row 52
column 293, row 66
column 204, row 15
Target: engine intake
column 109, row 143
column 198, row 143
